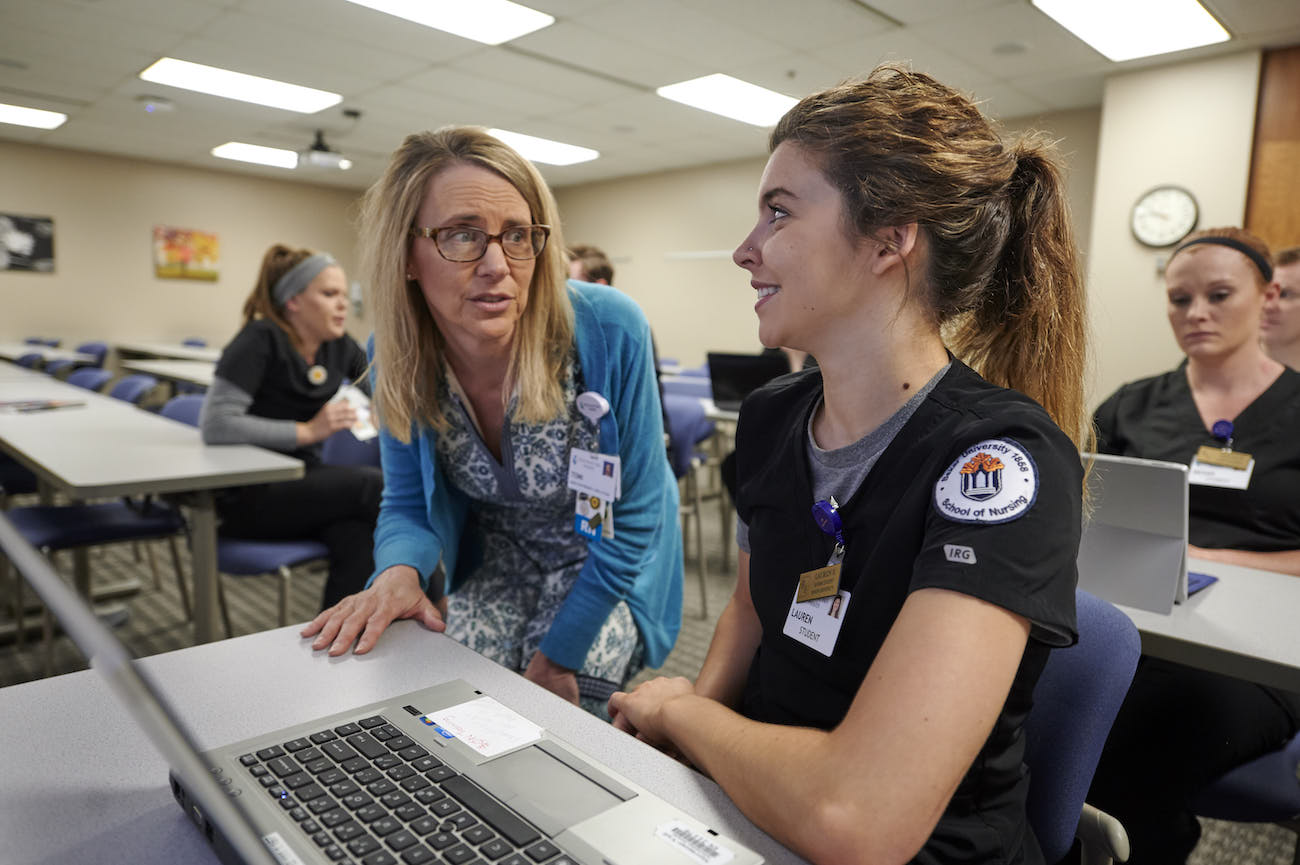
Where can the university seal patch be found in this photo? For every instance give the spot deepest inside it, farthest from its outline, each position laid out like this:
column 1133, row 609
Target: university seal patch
column 994, row 481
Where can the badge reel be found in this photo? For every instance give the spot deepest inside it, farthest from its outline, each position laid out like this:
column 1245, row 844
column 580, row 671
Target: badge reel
column 1221, row 466
column 818, row 607
column 597, row 478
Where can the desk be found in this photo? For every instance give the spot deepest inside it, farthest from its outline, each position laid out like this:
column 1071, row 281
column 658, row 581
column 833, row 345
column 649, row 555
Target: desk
column 15, row 350
column 197, row 372
column 93, row 789
column 175, row 351
column 1245, row 625
column 108, row 448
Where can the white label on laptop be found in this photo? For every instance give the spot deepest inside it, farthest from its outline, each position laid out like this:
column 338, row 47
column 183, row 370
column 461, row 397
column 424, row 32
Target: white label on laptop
column 486, row 726
column 816, row 623
column 700, row 846
column 364, row 428
column 282, row 852
column 594, row 474
column 1208, row 475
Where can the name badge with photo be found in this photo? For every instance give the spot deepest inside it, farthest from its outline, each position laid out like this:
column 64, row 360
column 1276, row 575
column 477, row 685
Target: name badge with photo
column 816, row 623
column 1215, row 467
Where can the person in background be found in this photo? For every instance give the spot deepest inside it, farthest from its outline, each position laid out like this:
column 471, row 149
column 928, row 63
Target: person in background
column 490, row 375
column 590, row 264
column 894, row 733
column 1280, row 327
column 1180, row 727
column 274, row 387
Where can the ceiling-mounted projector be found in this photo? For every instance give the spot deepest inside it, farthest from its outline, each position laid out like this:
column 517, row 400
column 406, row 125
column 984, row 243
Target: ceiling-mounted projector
column 319, row 155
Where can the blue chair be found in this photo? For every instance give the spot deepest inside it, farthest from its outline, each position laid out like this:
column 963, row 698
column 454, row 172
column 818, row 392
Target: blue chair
column 32, row 360
column 195, row 342
column 133, row 388
column 688, row 386
column 1075, row 703
column 701, row 371
column 90, row 378
column 97, row 350
column 344, row 449
column 60, row 368
column 241, row 557
column 1265, row 790
column 41, row 340
column 15, row 480
column 687, row 427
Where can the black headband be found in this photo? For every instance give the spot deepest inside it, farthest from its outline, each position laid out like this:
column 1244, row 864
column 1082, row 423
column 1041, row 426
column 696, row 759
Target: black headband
column 1260, row 261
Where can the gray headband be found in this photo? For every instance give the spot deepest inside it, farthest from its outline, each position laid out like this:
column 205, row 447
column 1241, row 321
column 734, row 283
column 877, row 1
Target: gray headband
column 299, row 277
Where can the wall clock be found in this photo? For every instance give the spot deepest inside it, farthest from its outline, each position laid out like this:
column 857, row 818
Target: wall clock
column 1164, row 215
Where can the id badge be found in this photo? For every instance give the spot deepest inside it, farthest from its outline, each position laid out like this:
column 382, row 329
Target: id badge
column 816, row 623
column 595, row 474
column 590, row 515
column 1227, row 469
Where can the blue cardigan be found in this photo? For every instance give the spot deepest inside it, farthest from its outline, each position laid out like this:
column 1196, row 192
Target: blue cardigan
column 422, row 518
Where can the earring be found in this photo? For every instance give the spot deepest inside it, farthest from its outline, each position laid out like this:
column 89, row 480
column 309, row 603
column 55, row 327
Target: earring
column 409, row 278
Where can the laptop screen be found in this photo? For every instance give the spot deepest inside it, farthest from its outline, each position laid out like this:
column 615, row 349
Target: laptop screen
column 735, row 376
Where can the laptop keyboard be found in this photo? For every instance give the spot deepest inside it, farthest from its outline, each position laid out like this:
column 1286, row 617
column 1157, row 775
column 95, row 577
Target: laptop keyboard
column 366, row 794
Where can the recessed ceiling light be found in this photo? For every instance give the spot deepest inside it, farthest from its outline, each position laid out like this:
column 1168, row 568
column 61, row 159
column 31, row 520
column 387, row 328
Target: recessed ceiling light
column 730, row 97
column 20, row 116
column 488, row 21
column 273, row 156
column 1124, row 30
column 544, row 149
column 237, row 85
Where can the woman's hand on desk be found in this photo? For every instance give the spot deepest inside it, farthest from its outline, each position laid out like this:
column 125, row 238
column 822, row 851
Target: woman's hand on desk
column 551, row 676
column 1280, row 561
column 641, row 711
column 332, row 417
column 363, row 617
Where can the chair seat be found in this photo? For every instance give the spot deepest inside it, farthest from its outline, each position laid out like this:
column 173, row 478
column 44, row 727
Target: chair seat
column 245, row 558
column 1265, row 790
column 60, row 527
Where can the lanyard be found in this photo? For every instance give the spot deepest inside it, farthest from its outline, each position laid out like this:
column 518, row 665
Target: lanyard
column 826, row 514
column 1222, row 430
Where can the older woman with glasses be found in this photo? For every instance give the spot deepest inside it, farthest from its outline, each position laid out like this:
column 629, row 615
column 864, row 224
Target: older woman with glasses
column 514, row 408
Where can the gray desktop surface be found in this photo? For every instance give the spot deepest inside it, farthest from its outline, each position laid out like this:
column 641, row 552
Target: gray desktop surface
column 86, row 786
column 1244, row 625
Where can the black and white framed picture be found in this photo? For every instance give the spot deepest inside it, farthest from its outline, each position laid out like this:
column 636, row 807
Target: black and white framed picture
column 26, row 243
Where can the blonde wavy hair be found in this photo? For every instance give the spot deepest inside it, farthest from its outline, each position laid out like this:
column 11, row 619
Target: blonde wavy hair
column 408, row 346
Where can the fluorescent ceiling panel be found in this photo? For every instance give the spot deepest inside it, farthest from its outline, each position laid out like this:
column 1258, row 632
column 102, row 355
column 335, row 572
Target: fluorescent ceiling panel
column 237, row 85
column 20, row 116
column 242, row 152
column 1125, row 29
column 488, row 21
column 730, row 97
column 544, row 149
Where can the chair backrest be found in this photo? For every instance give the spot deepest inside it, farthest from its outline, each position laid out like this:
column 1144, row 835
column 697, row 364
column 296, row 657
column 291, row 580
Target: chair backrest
column 96, row 349
column 692, row 386
column 133, row 388
column 195, row 342
column 55, row 367
column 687, row 427
column 343, row 449
column 1075, row 704
column 185, row 409
column 90, row 378
column 32, row 360
column 41, row 340
column 701, row 371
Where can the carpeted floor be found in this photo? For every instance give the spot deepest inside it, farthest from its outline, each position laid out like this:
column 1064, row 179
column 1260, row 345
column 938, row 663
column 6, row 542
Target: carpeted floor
column 157, row 623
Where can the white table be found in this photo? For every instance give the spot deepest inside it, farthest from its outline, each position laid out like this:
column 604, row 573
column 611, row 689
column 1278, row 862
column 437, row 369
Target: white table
column 15, row 350
column 84, row 784
column 172, row 350
column 1245, row 625
column 108, row 448
column 197, row 372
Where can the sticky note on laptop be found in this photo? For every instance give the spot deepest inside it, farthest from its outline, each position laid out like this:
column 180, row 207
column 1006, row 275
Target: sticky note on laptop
column 486, row 726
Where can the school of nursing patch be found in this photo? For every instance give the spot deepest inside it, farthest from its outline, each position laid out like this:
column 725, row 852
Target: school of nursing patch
column 994, row 481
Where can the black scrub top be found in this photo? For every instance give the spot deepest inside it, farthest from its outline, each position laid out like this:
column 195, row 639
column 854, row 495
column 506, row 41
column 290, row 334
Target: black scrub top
column 1011, row 539
column 262, row 362
column 1156, row 418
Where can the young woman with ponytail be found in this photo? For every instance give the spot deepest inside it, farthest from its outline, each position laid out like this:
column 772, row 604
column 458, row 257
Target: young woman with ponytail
column 934, row 458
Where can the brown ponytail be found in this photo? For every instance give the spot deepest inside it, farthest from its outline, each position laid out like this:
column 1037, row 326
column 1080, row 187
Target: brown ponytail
column 277, row 261
column 1002, row 275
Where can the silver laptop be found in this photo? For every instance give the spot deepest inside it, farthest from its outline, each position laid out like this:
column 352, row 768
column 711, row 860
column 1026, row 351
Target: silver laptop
column 1134, row 547
column 441, row 775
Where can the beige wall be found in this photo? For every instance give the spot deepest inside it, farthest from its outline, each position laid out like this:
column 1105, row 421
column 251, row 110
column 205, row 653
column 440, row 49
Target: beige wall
column 104, row 211
column 1190, row 125
column 670, row 236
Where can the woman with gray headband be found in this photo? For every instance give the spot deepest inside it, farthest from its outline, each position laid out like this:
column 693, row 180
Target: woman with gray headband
column 273, row 387
column 1232, row 413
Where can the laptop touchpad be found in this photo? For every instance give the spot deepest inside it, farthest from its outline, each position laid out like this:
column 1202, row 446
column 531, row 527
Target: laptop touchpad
column 550, row 787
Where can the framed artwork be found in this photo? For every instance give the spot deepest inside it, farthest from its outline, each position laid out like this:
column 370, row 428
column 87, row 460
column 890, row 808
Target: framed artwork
column 26, row 243
column 182, row 253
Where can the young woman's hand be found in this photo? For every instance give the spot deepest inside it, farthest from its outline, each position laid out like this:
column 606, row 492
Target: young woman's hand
column 641, row 712
column 332, row 417
column 363, row 617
